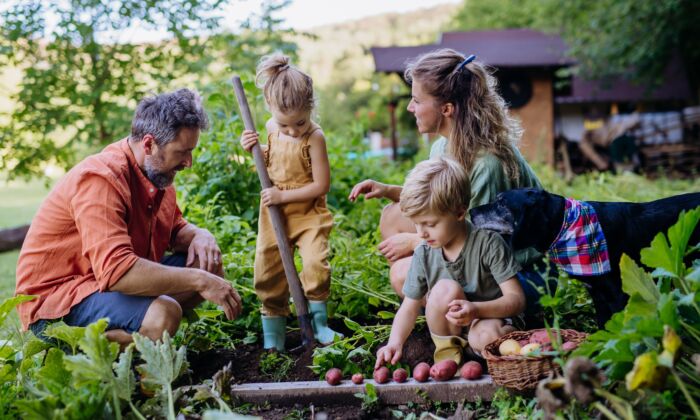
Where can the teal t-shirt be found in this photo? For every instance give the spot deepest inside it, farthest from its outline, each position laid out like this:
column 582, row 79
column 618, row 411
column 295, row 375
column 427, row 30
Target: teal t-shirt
column 484, row 262
column 488, row 178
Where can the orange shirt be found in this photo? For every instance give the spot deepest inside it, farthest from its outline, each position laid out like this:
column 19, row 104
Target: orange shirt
column 90, row 230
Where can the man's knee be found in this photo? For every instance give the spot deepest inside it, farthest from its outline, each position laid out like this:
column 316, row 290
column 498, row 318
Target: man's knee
column 164, row 314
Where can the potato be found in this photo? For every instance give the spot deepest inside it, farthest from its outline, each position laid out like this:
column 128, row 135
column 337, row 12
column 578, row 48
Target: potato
column 357, row 378
column 471, row 370
column 541, row 337
column 400, row 375
column 569, row 345
column 444, row 371
column 529, row 349
column 523, row 342
column 509, row 347
column 381, row 375
column 334, row 376
column 421, row 372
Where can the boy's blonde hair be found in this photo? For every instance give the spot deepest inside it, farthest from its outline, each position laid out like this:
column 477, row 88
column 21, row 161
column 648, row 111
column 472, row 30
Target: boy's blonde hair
column 286, row 88
column 437, row 185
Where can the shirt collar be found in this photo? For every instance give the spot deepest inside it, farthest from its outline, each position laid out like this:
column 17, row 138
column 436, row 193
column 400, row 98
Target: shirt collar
column 147, row 186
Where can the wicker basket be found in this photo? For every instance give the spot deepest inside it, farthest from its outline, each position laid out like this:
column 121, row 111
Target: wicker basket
column 523, row 372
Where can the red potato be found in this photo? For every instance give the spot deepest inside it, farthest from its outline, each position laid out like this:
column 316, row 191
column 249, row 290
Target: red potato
column 357, row 378
column 569, row 345
column 444, row 371
column 541, row 337
column 421, row 372
column 523, row 342
column 471, row 370
column 334, row 376
column 381, row 375
column 400, row 375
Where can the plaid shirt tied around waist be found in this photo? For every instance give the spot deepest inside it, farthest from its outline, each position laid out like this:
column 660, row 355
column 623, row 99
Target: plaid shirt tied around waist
column 580, row 248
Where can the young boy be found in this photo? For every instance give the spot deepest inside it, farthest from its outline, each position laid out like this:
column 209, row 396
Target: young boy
column 466, row 275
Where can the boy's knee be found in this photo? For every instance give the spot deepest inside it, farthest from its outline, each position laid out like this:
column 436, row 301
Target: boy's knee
column 164, row 314
column 444, row 292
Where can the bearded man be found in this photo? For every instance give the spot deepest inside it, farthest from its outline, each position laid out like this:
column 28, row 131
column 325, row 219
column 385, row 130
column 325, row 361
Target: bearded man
column 96, row 247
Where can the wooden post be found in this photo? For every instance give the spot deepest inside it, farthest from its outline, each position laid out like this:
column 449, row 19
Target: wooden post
column 392, row 115
column 12, row 238
column 307, row 333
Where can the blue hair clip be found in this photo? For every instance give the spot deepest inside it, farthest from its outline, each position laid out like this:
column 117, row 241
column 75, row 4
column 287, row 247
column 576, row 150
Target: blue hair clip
column 465, row 62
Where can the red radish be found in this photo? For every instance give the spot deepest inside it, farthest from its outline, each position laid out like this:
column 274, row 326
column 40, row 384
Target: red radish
column 471, row 370
column 381, row 375
column 334, row 376
column 357, row 378
column 444, row 370
column 400, row 375
column 421, row 372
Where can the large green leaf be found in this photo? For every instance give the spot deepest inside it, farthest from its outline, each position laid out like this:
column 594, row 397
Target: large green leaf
column 163, row 362
column 66, row 333
column 669, row 254
column 637, row 281
column 99, row 354
column 9, row 304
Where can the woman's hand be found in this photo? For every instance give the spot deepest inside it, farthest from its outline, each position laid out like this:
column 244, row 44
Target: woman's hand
column 398, row 246
column 249, row 138
column 271, row 196
column 370, row 188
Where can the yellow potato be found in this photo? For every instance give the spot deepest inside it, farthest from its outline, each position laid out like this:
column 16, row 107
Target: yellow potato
column 509, row 347
column 529, row 348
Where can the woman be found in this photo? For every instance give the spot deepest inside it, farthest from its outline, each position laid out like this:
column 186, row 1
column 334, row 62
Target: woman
column 456, row 97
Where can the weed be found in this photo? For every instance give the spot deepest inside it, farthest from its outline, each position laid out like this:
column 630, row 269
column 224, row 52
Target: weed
column 276, row 365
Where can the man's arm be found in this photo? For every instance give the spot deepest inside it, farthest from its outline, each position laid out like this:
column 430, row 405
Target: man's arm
column 200, row 246
column 146, row 278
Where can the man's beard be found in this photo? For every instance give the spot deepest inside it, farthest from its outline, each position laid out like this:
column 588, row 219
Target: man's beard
column 158, row 178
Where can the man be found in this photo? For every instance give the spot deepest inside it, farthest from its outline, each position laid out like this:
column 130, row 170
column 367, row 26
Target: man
column 95, row 245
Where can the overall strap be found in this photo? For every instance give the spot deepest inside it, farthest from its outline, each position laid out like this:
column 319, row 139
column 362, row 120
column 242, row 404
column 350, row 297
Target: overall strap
column 307, row 136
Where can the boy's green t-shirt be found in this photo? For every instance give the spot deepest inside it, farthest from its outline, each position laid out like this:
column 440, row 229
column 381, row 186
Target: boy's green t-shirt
column 484, row 262
column 488, row 178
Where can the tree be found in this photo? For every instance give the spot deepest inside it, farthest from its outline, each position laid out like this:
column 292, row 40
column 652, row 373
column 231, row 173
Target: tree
column 635, row 38
column 82, row 78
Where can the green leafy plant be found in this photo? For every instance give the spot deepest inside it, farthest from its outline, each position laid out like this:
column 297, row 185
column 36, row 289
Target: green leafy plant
column 276, row 365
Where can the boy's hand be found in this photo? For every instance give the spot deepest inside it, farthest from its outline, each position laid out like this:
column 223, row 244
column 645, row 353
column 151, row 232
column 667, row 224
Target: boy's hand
column 391, row 353
column 271, row 196
column 461, row 312
column 249, row 138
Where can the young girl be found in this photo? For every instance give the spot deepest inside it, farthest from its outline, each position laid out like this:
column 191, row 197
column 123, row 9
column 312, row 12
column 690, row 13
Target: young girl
column 296, row 160
column 455, row 96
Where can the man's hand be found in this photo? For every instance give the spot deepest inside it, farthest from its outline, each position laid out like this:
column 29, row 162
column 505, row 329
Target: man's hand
column 461, row 312
column 204, row 249
column 370, row 188
column 391, row 353
column 398, row 246
column 271, row 196
column 221, row 292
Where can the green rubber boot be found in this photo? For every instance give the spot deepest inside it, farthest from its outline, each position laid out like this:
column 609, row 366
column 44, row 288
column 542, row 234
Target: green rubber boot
column 274, row 332
column 319, row 320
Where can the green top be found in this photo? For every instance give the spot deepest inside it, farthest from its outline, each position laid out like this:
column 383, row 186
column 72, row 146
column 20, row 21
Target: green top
column 488, row 178
column 484, row 262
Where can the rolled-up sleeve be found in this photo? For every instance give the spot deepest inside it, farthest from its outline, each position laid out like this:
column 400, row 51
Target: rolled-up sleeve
column 99, row 211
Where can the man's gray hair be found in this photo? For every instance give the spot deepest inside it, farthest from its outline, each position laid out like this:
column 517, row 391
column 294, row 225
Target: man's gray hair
column 164, row 115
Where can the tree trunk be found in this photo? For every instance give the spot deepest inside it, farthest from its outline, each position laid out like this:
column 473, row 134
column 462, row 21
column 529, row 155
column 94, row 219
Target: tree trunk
column 12, row 238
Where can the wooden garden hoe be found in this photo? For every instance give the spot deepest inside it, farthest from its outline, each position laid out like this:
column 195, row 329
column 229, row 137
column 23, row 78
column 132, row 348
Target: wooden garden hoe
column 307, row 333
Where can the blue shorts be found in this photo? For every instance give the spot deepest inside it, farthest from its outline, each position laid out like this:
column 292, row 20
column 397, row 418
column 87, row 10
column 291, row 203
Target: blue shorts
column 125, row 312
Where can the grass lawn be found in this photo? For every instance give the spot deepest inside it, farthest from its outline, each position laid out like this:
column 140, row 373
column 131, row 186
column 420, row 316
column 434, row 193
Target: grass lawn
column 20, row 201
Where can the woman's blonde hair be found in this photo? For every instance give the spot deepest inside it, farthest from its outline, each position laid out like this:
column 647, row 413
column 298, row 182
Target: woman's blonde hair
column 286, row 88
column 439, row 185
column 480, row 114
